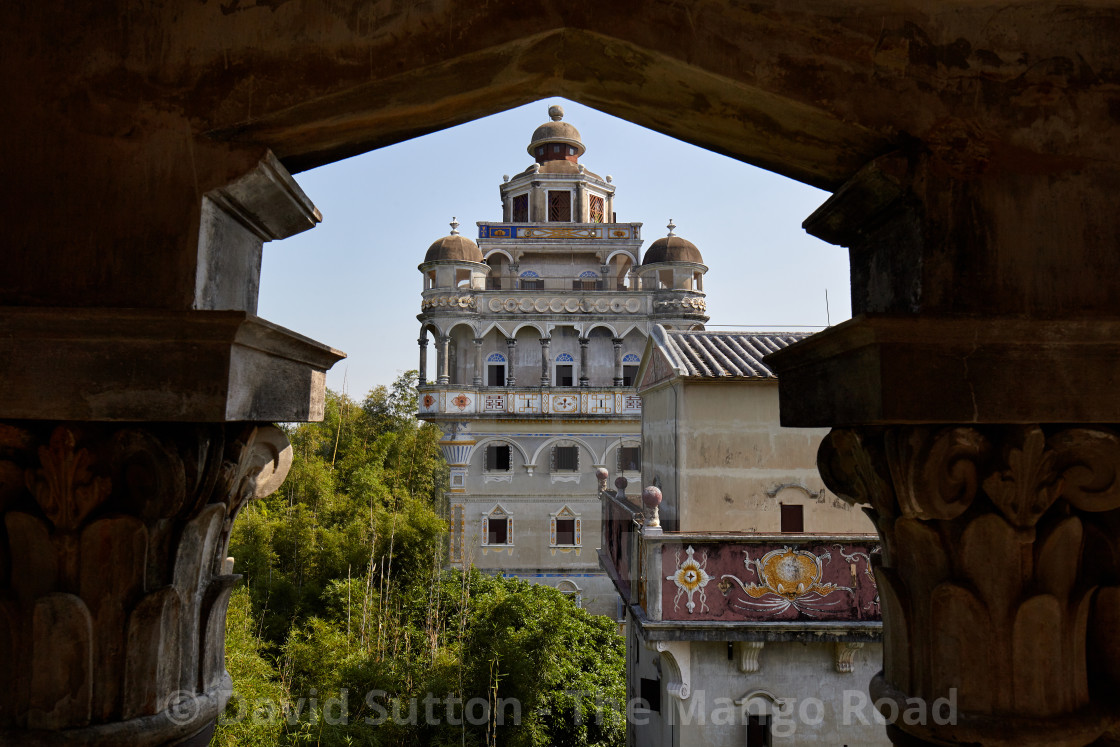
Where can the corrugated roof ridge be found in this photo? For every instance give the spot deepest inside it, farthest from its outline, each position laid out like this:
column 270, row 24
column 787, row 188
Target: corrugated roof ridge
column 718, row 354
column 747, row 362
column 704, row 362
column 763, row 344
column 709, row 344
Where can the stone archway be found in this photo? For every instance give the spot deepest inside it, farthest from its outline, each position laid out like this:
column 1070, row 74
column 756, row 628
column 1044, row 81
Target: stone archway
column 972, row 154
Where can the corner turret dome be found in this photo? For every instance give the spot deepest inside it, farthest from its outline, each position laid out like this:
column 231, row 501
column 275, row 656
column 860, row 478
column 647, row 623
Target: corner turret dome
column 566, row 138
column 454, row 247
column 672, row 248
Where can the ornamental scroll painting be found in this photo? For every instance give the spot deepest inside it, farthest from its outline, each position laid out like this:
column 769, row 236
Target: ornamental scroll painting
column 769, row 582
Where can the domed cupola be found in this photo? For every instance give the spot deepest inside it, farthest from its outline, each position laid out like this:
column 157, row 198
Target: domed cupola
column 556, row 140
column 453, row 247
column 672, row 263
column 672, row 248
column 454, row 262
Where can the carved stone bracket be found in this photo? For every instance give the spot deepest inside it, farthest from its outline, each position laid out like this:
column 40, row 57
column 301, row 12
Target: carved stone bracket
column 746, row 655
column 114, row 578
column 999, row 572
column 678, row 656
column 844, row 654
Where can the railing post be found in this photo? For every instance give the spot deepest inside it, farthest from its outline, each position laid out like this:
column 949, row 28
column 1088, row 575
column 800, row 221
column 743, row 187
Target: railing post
column 617, row 342
column 583, row 380
column 545, row 343
column 477, row 361
column 511, row 344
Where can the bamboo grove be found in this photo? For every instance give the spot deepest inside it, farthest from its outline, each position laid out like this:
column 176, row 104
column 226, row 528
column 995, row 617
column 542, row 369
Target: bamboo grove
column 350, row 629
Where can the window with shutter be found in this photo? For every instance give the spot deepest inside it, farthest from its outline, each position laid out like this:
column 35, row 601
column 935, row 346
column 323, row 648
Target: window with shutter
column 498, row 458
column 521, row 209
column 595, row 208
column 793, row 518
column 559, row 205
column 565, row 458
column 630, row 459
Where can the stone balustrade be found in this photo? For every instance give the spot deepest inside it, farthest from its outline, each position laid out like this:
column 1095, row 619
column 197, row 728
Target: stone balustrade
column 469, row 400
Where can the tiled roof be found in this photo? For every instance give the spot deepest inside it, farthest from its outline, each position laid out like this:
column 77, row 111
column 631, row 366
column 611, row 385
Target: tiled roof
column 707, row 354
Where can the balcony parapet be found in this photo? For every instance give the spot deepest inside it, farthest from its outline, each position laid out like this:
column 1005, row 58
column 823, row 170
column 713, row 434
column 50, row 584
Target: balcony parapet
column 456, row 401
column 740, row 586
column 566, row 232
column 537, row 301
column 562, row 301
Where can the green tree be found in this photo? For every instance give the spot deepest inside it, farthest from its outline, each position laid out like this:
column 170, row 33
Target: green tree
column 347, row 608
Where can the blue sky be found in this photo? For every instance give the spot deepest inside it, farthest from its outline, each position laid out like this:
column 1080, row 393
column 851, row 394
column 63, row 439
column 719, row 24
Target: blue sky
column 352, row 281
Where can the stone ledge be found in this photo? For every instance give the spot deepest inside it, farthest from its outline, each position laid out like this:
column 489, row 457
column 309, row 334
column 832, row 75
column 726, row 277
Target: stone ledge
column 882, row 370
column 146, row 365
column 800, row 630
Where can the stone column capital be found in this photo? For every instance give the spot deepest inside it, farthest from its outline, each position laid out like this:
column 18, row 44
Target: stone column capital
column 133, row 521
column 991, row 582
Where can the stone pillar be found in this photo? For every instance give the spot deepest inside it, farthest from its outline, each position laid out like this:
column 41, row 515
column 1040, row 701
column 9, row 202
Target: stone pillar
column 478, row 365
column 511, row 345
column 422, row 379
column 507, row 207
column 583, row 380
column 538, row 203
column 443, row 359
column 617, row 342
column 580, row 209
column 609, row 218
column 973, row 410
column 997, row 579
column 546, row 379
column 115, row 578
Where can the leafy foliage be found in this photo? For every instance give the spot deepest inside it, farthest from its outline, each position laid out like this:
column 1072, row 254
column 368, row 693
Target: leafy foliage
column 349, row 630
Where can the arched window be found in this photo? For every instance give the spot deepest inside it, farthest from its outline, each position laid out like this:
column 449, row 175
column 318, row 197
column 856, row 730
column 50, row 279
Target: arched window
column 570, row 590
column 531, row 281
column 587, row 280
column 630, row 363
column 499, row 457
column 496, row 370
column 565, row 368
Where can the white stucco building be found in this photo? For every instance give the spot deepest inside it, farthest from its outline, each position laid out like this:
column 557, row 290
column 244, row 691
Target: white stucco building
column 538, row 328
column 752, row 612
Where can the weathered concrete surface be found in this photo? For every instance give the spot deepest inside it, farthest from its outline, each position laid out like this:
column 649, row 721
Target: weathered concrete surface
column 161, row 106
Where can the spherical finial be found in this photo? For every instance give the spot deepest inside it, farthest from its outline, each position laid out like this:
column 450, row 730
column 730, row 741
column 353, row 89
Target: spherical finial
column 609, row 178
column 601, row 475
column 621, row 483
column 671, row 227
column 505, row 177
column 556, row 112
column 454, row 226
column 651, row 499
